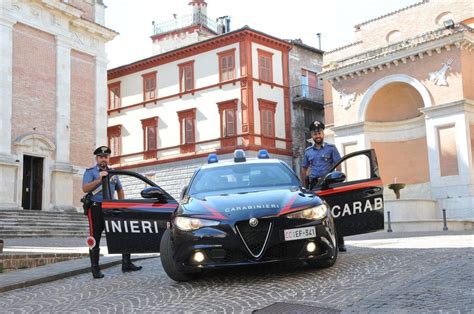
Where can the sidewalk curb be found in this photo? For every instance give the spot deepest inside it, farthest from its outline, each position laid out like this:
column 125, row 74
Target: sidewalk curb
column 47, row 273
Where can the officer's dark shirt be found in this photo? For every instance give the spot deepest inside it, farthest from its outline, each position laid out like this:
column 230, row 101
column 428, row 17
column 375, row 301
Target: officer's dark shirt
column 320, row 160
column 92, row 174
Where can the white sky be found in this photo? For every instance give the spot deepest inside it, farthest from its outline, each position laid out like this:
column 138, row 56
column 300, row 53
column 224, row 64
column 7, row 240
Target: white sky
column 334, row 19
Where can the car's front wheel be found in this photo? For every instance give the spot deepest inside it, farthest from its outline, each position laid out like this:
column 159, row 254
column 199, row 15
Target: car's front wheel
column 166, row 255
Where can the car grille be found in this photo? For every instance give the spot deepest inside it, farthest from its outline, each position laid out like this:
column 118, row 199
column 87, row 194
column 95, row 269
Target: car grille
column 254, row 238
column 226, row 255
column 284, row 250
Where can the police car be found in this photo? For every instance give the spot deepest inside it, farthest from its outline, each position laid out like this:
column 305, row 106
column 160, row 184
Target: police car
column 244, row 211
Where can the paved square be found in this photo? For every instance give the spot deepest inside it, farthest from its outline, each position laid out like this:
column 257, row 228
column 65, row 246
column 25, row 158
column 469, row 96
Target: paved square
column 433, row 274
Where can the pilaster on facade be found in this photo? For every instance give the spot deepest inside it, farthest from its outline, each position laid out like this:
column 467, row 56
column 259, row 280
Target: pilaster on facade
column 63, row 99
column 453, row 115
column 101, row 100
column 6, row 84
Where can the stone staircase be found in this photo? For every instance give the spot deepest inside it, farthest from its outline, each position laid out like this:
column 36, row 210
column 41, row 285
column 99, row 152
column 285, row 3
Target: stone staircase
column 29, row 223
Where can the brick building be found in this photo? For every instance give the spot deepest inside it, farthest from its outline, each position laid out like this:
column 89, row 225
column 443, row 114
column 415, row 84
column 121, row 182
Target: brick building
column 225, row 91
column 404, row 88
column 53, row 95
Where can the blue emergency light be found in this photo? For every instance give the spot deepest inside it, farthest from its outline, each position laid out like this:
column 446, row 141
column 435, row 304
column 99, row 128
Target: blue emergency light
column 239, row 155
column 212, row 158
column 263, row 154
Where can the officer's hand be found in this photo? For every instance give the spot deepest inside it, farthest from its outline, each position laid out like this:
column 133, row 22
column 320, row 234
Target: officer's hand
column 103, row 174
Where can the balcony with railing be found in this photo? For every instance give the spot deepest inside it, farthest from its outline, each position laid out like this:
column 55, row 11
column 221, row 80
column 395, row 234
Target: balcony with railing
column 186, row 21
column 307, row 95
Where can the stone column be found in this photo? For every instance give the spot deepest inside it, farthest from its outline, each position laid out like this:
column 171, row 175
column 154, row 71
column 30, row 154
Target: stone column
column 101, row 100
column 8, row 165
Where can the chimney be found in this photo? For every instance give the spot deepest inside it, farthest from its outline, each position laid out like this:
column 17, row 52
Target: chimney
column 227, row 24
column 319, row 40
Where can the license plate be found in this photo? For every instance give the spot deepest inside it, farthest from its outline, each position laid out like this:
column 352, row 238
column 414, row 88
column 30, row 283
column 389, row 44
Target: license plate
column 300, row 233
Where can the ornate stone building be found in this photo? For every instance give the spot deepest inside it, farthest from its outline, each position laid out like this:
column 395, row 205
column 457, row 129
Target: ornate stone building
column 405, row 88
column 53, row 89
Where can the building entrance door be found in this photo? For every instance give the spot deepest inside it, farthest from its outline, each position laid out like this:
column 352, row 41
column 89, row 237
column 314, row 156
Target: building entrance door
column 32, row 182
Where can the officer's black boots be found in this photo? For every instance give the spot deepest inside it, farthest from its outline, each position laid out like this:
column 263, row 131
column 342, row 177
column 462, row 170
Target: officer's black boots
column 342, row 246
column 95, row 269
column 127, row 264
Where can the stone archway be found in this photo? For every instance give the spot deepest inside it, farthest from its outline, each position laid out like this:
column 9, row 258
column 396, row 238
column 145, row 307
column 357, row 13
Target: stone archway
column 395, row 127
column 39, row 146
column 396, row 78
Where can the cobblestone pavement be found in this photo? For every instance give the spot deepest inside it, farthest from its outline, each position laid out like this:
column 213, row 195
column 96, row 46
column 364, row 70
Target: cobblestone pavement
column 365, row 279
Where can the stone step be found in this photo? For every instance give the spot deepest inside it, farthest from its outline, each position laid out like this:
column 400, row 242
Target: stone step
column 27, row 223
column 43, row 223
column 40, row 228
column 52, row 218
column 36, row 212
column 39, row 214
column 44, row 233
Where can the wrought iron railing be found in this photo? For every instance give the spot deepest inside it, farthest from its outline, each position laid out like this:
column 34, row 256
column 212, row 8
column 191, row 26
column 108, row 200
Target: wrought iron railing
column 306, row 92
column 185, row 21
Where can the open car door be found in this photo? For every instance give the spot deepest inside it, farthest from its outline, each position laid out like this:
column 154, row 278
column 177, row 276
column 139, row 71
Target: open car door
column 357, row 202
column 135, row 224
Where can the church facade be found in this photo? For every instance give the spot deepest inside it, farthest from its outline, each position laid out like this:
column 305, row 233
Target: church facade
column 53, row 91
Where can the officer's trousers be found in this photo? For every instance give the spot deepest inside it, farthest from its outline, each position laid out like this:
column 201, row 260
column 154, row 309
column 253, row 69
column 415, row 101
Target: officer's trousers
column 96, row 222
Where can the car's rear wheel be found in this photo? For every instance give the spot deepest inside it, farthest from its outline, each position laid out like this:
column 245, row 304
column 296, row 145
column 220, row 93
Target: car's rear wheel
column 169, row 265
column 325, row 263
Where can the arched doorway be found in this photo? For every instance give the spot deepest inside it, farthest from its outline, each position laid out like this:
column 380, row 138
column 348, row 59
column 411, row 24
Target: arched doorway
column 35, row 154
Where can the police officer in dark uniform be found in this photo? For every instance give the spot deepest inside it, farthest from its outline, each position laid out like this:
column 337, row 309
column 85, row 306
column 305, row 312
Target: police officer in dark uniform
column 92, row 183
column 319, row 158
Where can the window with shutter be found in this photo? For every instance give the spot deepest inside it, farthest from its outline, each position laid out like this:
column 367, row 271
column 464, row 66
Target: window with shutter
column 226, row 65
column 265, row 71
column 186, row 76
column 149, row 86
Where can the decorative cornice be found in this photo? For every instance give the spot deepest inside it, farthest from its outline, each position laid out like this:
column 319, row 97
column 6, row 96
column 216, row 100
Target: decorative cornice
column 95, row 28
column 64, row 8
column 348, row 129
column 199, row 47
column 460, row 106
column 400, row 53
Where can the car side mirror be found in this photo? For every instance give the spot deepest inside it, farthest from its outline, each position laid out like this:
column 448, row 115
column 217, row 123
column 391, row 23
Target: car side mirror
column 333, row 177
column 183, row 191
column 153, row 192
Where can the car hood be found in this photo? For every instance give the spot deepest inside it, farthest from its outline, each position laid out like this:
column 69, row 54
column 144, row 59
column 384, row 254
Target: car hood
column 245, row 205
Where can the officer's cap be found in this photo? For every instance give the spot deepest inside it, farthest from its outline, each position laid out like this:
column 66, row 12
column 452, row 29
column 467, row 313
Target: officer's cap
column 102, row 151
column 316, row 126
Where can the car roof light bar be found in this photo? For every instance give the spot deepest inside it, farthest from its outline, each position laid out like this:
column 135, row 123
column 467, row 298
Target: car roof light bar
column 239, row 155
column 212, row 158
column 263, row 154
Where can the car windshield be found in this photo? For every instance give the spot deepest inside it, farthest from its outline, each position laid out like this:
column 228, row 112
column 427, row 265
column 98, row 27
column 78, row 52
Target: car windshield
column 243, row 176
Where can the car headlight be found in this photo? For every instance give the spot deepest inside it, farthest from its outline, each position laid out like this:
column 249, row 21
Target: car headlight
column 189, row 224
column 313, row 213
